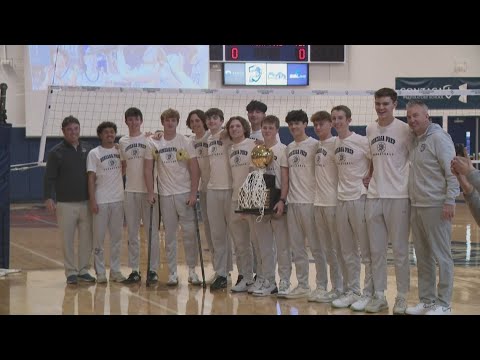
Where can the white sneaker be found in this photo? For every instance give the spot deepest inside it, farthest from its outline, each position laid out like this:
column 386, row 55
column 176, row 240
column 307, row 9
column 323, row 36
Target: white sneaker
column 400, row 306
column 283, row 288
column 377, row 304
column 328, row 297
column 172, row 279
column 419, row 309
column 102, row 278
column 257, row 285
column 268, row 288
column 298, row 292
column 242, row 286
column 361, row 303
column 439, row 310
column 345, row 300
column 193, row 277
column 117, row 276
column 318, row 293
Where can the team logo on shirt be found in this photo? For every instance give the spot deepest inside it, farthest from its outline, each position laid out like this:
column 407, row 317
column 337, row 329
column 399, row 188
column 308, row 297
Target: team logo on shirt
column 341, row 157
column 200, row 152
column 296, row 160
column 236, row 160
column 169, row 156
column 214, row 149
column 111, row 162
column 423, row 147
column 135, row 152
column 381, row 147
column 318, row 160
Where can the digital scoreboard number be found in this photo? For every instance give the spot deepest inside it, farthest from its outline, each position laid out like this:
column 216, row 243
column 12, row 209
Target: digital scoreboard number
column 267, row 53
column 279, row 53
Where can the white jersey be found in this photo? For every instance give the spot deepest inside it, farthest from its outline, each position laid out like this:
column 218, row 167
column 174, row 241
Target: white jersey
column 326, row 173
column 107, row 166
column 132, row 150
column 257, row 135
column 352, row 156
column 201, row 148
column 388, row 147
column 240, row 158
column 279, row 161
column 301, row 171
column 220, row 172
column 173, row 174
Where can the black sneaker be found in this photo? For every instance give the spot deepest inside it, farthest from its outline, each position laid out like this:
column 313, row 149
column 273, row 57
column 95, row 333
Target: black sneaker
column 240, row 277
column 152, row 277
column 133, row 278
column 72, row 280
column 86, row 278
column 219, row 283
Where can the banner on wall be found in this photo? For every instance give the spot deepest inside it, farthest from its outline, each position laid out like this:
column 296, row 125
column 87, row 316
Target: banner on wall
column 439, row 83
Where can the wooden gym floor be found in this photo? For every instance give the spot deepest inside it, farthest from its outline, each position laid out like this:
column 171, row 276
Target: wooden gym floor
column 40, row 287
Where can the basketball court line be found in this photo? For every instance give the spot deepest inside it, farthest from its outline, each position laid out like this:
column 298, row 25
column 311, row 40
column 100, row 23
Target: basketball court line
column 62, row 264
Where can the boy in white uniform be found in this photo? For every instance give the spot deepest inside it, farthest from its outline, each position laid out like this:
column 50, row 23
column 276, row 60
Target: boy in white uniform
column 132, row 153
column 197, row 122
column 387, row 208
column 241, row 225
column 178, row 175
column 219, row 198
column 326, row 175
column 301, row 194
column 272, row 230
column 105, row 189
column 352, row 156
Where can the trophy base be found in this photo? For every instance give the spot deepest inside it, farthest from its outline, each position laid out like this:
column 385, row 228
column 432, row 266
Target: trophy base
column 254, row 211
column 257, row 211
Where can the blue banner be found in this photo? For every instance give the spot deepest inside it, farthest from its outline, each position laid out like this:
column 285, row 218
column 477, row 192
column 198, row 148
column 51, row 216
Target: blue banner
column 439, row 83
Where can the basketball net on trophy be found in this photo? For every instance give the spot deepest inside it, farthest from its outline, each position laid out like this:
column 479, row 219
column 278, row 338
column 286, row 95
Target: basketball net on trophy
column 255, row 195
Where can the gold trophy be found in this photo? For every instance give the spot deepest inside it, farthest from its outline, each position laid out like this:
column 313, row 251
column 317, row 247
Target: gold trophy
column 258, row 194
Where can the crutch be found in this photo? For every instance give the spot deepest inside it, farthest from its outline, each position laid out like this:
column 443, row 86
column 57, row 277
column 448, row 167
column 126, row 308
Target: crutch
column 149, row 251
column 149, row 243
column 199, row 245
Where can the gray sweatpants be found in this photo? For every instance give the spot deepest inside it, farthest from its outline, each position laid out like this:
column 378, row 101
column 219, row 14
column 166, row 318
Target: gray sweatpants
column 352, row 233
column 388, row 221
column 219, row 208
column 326, row 226
column 272, row 235
column 136, row 207
column 240, row 228
column 175, row 211
column 71, row 215
column 432, row 238
column 301, row 227
column 110, row 216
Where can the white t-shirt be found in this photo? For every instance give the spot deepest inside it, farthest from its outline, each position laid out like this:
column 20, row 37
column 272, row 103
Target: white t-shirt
column 352, row 159
column 240, row 158
column 107, row 166
column 201, row 148
column 173, row 175
column 220, row 172
column 279, row 161
column 132, row 150
column 388, row 147
column 326, row 173
column 301, row 171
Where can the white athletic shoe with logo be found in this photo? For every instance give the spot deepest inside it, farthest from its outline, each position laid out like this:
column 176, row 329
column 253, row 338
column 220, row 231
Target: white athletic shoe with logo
column 419, row 309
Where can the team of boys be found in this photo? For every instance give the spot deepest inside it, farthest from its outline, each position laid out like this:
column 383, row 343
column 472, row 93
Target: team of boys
column 348, row 196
